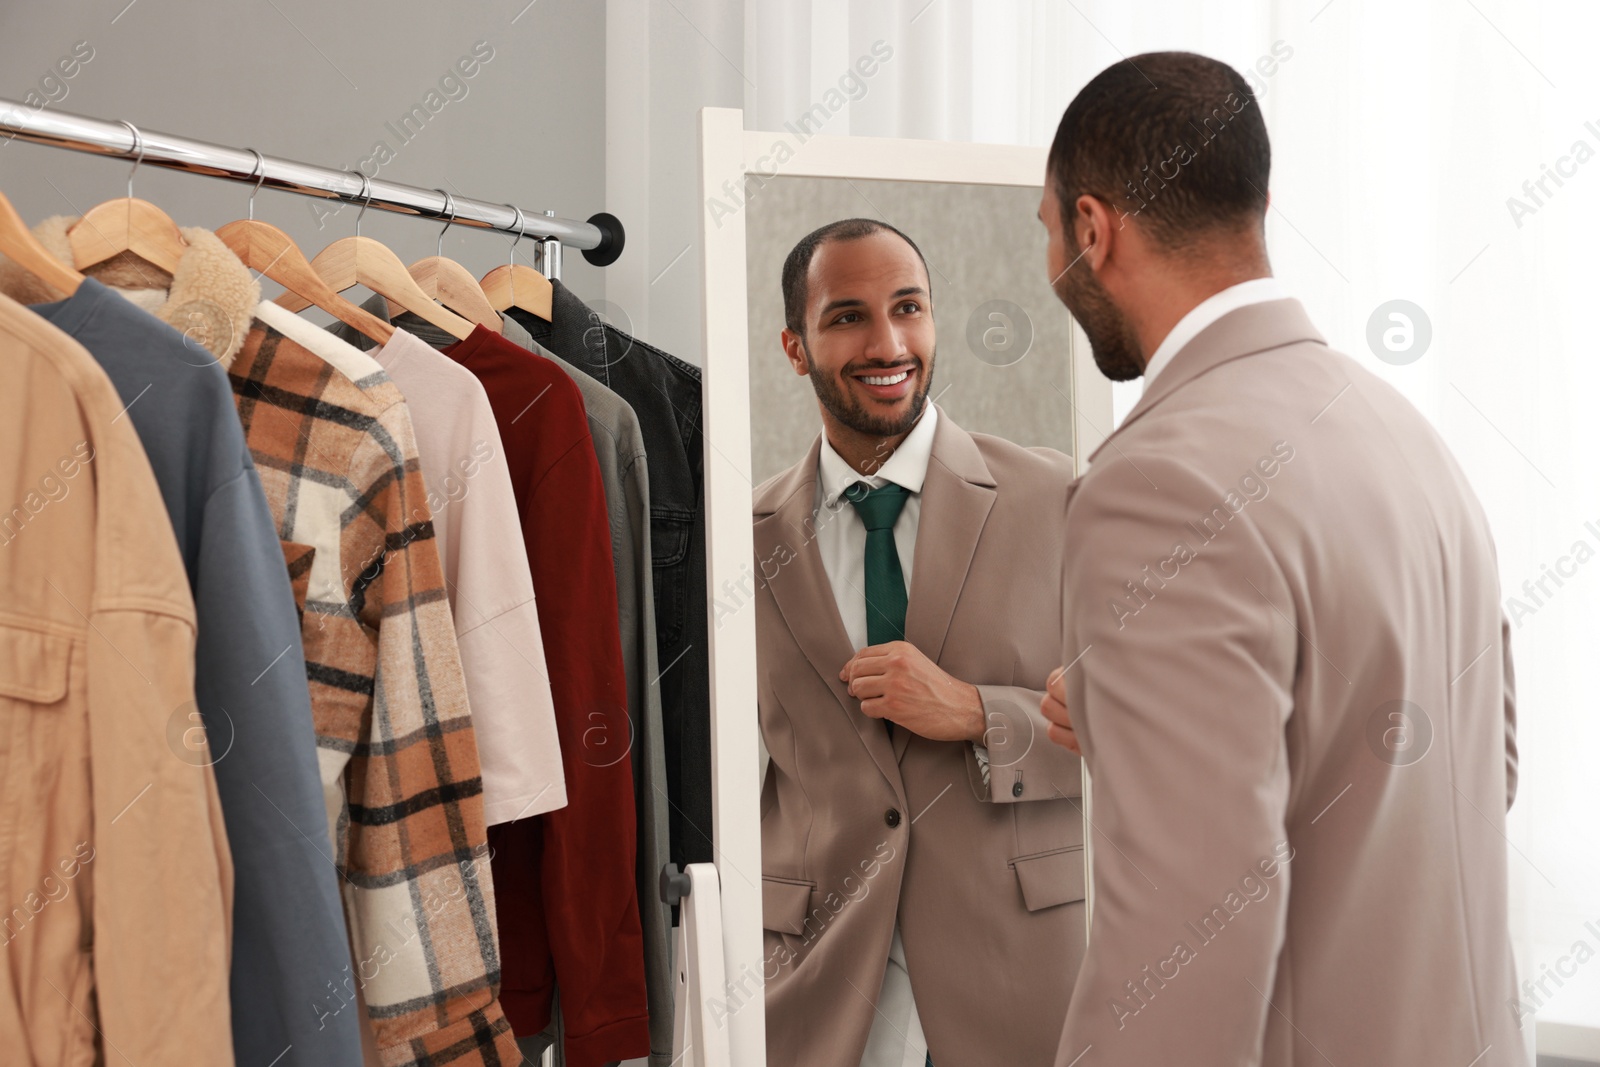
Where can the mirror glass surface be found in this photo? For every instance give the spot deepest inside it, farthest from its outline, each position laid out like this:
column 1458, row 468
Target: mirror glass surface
column 895, row 861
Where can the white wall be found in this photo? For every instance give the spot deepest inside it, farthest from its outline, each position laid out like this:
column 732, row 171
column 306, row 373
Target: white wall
column 666, row 60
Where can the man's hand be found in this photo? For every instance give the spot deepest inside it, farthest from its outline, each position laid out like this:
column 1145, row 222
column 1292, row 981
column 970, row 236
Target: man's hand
column 896, row 681
column 1054, row 708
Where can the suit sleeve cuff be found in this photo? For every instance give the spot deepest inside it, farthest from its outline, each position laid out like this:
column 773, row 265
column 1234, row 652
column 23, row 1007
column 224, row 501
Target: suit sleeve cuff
column 1020, row 762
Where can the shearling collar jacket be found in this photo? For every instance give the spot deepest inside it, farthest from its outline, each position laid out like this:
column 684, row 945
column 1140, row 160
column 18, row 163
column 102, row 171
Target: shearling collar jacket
column 210, row 300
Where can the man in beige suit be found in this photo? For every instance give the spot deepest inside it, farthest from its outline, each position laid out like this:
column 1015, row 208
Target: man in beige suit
column 922, row 844
column 1287, row 667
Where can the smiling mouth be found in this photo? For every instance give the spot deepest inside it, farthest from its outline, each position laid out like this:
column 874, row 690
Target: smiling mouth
column 885, row 377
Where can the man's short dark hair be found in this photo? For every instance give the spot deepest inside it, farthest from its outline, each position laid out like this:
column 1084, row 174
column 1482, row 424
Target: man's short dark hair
column 798, row 265
column 1174, row 139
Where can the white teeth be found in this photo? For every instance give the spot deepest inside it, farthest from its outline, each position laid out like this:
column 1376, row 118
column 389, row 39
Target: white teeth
column 893, row 379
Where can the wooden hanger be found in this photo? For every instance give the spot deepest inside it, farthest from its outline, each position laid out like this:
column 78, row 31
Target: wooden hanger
column 451, row 284
column 19, row 243
column 358, row 260
column 127, row 224
column 514, row 285
column 265, row 248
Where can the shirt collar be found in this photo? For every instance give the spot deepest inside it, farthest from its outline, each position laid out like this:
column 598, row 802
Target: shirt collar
column 345, row 357
column 907, row 466
column 1203, row 314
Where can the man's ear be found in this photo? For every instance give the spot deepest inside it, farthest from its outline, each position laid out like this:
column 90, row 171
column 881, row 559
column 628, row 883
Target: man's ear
column 794, row 349
column 1094, row 225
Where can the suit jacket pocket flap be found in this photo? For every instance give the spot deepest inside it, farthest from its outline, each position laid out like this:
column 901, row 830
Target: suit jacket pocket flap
column 783, row 904
column 1051, row 878
column 33, row 664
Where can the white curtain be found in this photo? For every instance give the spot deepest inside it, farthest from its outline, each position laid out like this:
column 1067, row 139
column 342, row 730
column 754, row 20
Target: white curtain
column 1400, row 133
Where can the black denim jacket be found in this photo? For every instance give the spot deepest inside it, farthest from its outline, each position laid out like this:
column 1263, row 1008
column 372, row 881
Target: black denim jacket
column 664, row 393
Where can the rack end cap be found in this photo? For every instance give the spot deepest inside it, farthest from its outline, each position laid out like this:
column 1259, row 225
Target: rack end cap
column 612, row 238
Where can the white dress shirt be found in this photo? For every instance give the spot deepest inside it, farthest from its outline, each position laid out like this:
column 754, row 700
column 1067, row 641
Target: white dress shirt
column 896, row 1038
column 1203, row 314
column 842, row 536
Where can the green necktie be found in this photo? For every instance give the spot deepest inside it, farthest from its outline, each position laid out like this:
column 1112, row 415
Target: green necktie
column 886, row 583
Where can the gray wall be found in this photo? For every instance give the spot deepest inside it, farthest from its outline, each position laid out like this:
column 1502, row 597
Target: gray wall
column 319, row 82
column 983, row 244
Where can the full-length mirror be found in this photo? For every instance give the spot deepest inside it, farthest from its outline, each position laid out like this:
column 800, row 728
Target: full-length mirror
column 922, row 844
column 913, row 414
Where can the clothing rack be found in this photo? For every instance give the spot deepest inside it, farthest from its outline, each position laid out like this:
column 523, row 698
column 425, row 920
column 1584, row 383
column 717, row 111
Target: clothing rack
column 600, row 237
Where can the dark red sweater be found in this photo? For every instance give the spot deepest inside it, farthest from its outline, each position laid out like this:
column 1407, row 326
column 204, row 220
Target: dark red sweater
column 564, row 882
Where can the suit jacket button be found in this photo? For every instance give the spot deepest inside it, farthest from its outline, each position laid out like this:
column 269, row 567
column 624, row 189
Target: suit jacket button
column 1016, row 789
column 892, row 816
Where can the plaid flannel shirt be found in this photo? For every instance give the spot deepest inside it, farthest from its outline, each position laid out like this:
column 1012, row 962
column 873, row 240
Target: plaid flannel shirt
column 399, row 758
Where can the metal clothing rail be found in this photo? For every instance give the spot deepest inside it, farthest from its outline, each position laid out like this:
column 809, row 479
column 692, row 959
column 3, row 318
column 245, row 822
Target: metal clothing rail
column 600, row 238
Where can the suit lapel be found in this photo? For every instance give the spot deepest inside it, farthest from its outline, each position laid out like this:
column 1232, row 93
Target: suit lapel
column 788, row 553
column 957, row 495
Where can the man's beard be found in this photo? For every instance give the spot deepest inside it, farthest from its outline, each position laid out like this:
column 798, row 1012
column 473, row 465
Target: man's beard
column 1111, row 338
column 846, row 410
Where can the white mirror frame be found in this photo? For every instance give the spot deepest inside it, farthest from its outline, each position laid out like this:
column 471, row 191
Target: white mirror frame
column 728, row 153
